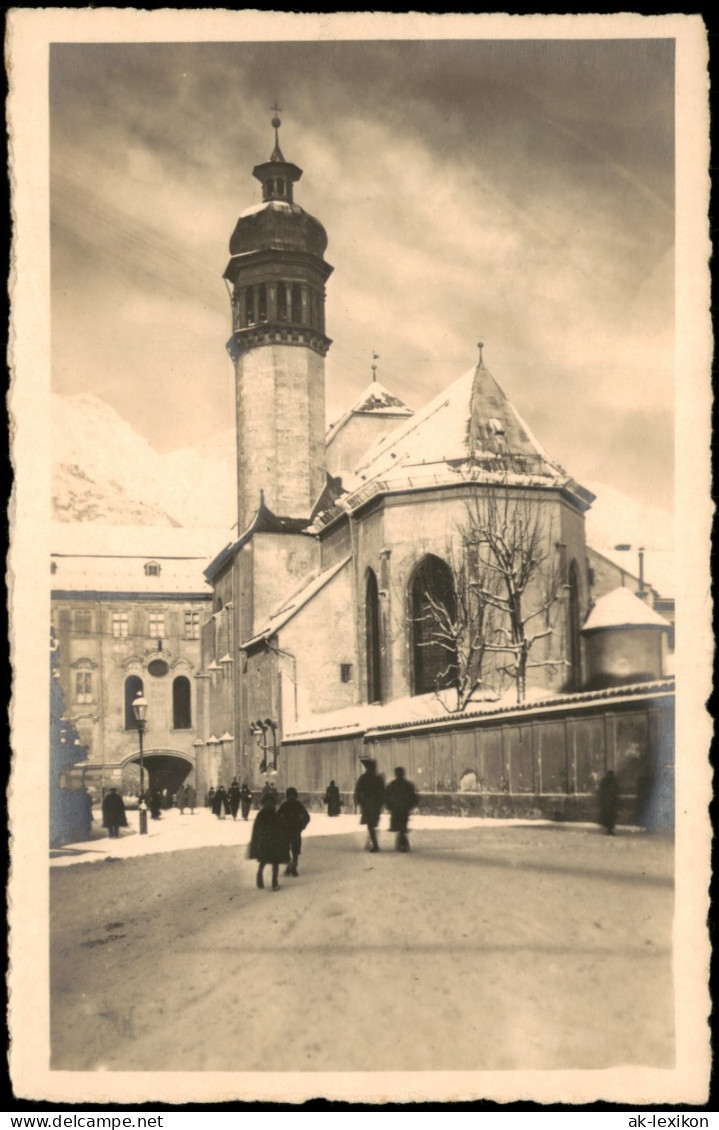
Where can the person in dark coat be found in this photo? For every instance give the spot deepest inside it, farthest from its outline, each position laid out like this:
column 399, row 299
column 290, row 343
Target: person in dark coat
column 608, row 797
column 190, row 798
column 295, row 818
column 211, row 800
column 245, row 800
column 369, row 797
column 113, row 814
column 332, row 800
column 400, row 798
column 269, row 843
column 155, row 804
column 220, row 804
column 233, row 796
column 181, row 798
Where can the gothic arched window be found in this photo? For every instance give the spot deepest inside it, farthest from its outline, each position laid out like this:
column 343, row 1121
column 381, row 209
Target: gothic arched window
column 372, row 644
column 296, row 303
column 133, row 687
column 432, row 600
column 575, row 654
column 181, row 704
column 282, row 302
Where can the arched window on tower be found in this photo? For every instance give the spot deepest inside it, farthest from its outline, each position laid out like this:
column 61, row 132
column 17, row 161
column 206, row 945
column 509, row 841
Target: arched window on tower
column 133, row 687
column 181, row 704
column 296, row 303
column 250, row 306
column 262, row 303
column 372, row 643
column 434, row 660
column 314, row 320
column 575, row 652
column 280, row 187
column 282, row 302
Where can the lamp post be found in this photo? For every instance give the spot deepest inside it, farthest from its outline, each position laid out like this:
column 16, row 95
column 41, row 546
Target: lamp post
column 139, row 706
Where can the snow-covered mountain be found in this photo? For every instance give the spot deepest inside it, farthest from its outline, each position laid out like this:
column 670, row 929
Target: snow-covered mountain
column 104, row 471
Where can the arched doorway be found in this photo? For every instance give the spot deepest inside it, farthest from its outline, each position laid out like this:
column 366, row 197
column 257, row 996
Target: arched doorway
column 432, row 595
column 165, row 770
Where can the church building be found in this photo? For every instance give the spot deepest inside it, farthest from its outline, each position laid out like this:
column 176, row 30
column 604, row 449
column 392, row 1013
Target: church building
column 349, row 603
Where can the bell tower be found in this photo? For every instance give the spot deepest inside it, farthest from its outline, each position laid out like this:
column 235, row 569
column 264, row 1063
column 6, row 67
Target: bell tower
column 277, row 275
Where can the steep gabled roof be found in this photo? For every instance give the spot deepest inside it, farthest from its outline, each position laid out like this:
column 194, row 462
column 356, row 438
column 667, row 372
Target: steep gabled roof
column 469, row 432
column 375, row 400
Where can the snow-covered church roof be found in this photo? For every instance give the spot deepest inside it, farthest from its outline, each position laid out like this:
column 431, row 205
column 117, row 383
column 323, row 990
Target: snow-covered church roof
column 622, row 609
column 470, row 431
column 374, row 400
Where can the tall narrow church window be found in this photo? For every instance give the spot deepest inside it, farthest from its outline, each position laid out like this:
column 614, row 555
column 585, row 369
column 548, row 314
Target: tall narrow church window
column 282, row 302
column 250, row 305
column 575, row 654
column 314, row 321
column 372, row 643
column 432, row 600
column 262, row 303
column 296, row 303
column 181, row 704
column 280, row 187
column 133, row 687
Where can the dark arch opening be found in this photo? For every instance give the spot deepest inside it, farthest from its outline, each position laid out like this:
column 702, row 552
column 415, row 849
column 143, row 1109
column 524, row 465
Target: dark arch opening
column 374, row 673
column 434, row 659
column 133, row 687
column 181, row 703
column 575, row 653
column 282, row 302
column 296, row 303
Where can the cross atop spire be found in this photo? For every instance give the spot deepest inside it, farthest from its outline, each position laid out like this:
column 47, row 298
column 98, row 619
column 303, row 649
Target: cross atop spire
column 480, row 347
column 276, row 123
column 375, row 359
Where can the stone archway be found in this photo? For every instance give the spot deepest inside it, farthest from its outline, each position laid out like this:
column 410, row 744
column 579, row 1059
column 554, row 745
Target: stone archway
column 165, row 769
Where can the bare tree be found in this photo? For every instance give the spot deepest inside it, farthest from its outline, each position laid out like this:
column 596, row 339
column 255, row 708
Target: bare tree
column 506, row 581
column 518, row 575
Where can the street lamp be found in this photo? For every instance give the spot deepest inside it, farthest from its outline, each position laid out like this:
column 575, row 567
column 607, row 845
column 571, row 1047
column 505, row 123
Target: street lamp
column 139, row 707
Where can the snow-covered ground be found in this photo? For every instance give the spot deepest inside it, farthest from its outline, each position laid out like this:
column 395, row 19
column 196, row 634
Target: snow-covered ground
column 488, row 947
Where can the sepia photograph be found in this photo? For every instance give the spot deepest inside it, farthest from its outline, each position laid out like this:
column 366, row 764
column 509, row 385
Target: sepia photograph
column 360, row 397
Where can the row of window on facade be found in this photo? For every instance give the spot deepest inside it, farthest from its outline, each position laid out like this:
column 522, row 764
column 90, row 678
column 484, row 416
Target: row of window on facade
column 181, row 697
column 278, row 302
column 151, row 568
column 154, row 624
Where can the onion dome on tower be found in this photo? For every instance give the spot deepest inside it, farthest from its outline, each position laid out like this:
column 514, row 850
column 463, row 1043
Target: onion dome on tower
column 277, row 269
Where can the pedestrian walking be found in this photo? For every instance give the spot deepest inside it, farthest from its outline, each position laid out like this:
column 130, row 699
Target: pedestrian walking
column 181, row 798
column 269, row 843
column 294, row 817
column 245, row 800
column 190, row 798
column 332, row 800
column 608, row 797
column 369, row 797
column 113, row 814
column 220, row 804
column 210, row 799
column 233, row 796
column 400, row 798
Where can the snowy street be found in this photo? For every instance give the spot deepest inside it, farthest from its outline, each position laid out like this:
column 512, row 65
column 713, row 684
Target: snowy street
column 493, row 945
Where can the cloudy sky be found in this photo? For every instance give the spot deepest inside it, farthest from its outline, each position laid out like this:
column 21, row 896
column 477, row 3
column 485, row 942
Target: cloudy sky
column 521, row 192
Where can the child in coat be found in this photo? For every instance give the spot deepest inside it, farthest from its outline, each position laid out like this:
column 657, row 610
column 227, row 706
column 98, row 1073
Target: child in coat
column 269, row 843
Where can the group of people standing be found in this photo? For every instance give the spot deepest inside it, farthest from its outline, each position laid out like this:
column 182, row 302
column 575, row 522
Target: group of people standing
column 223, row 802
